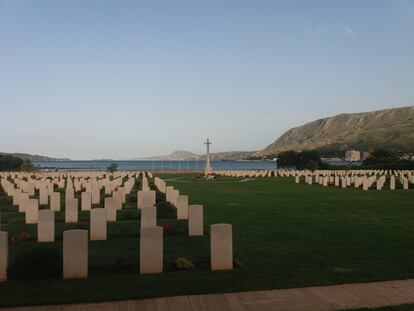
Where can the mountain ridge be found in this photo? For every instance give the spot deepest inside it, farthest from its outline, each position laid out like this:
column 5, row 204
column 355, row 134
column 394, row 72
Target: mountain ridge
column 387, row 128
column 33, row 157
column 188, row 156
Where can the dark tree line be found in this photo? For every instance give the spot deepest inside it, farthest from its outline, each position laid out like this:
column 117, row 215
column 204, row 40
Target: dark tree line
column 10, row 163
column 307, row 159
column 386, row 159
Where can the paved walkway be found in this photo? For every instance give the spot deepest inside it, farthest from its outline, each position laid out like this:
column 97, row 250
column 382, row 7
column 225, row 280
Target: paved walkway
column 322, row 298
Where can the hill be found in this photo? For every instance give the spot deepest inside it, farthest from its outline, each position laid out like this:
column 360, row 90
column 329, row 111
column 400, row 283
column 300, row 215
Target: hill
column 33, row 157
column 187, row 155
column 391, row 129
column 230, row 155
column 176, row 155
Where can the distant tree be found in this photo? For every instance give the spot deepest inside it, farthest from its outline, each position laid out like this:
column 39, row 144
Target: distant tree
column 112, row 168
column 386, row 159
column 287, row 158
column 331, row 153
column 27, row 166
column 307, row 159
column 381, row 156
column 10, row 163
column 312, row 165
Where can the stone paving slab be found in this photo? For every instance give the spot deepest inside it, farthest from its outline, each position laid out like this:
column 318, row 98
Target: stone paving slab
column 321, row 298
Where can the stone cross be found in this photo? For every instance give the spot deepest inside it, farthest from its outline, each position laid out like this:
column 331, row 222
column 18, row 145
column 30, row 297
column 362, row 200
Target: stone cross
column 208, row 169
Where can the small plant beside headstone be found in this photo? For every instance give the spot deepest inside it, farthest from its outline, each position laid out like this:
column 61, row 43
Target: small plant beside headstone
column 183, row 263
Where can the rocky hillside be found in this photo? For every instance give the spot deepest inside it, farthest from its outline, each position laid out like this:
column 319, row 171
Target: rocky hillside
column 390, row 129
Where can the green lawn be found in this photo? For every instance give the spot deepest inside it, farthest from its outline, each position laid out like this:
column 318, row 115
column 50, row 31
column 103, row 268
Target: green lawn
column 409, row 307
column 285, row 235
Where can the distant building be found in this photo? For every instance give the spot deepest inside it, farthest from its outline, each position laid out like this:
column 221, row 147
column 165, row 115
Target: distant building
column 355, row 155
column 352, row 155
column 408, row 156
column 332, row 159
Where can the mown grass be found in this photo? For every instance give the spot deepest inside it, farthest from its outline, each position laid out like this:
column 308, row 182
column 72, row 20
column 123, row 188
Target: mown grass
column 409, row 307
column 285, row 235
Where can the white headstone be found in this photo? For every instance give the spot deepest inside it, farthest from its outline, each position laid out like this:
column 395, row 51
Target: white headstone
column 32, row 209
column 392, row 183
column 55, row 201
column 221, row 247
column 110, row 208
column 23, row 198
column 46, row 226
column 75, row 254
column 71, row 210
column 96, row 195
column 145, row 198
column 4, row 255
column 151, row 250
column 148, row 217
column 182, row 207
column 43, row 196
column 98, row 224
column 195, row 220
column 86, row 201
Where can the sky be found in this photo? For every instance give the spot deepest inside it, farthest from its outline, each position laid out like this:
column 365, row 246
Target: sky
column 129, row 79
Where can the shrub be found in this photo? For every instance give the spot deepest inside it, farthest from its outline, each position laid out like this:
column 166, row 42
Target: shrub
column 183, row 263
column 160, row 197
column 112, row 168
column 27, row 166
column 128, row 215
column 166, row 210
column 126, row 232
column 37, row 263
column 132, row 197
column 6, row 200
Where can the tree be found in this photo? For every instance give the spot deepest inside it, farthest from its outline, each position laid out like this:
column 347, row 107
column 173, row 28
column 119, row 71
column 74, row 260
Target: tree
column 307, row 159
column 381, row 156
column 287, row 158
column 389, row 160
column 27, row 166
column 10, row 163
column 112, row 168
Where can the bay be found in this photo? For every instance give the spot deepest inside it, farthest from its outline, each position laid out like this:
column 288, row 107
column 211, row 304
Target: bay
column 158, row 165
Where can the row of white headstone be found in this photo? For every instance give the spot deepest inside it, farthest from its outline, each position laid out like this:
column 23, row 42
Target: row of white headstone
column 194, row 213
column 221, row 235
column 74, row 241
column 151, row 236
column 99, row 216
column 91, row 195
column 364, row 179
column 246, row 173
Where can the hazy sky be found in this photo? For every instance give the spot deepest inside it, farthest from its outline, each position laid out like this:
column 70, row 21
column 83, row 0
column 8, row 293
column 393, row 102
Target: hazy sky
column 124, row 79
